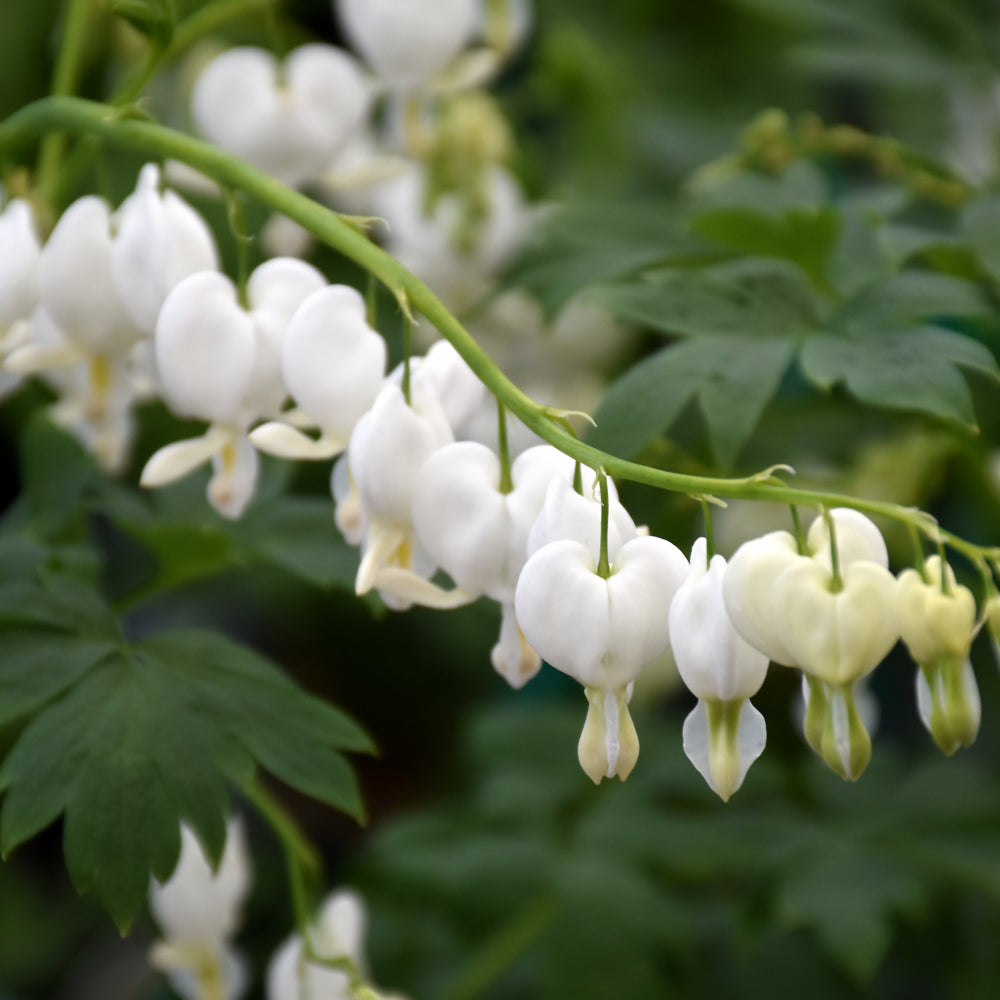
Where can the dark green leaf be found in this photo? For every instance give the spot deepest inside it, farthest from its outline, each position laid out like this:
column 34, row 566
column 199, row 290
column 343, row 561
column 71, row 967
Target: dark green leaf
column 733, row 380
column 804, row 236
column 912, row 297
column 981, row 227
column 56, row 474
column 148, row 739
column 801, row 185
column 581, row 247
column 912, row 369
column 37, row 665
column 153, row 18
column 752, row 298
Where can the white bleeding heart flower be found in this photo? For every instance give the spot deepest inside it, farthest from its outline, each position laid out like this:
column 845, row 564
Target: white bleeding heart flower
column 289, row 120
column 198, row 911
column 858, row 539
column 219, row 361
column 443, row 371
column 20, row 254
column 724, row 734
column 333, row 364
column 747, row 586
column 938, row 622
column 601, row 631
column 81, row 338
column 337, row 933
column 387, row 451
column 159, row 241
column 566, row 514
column 408, row 42
column 431, row 245
column 477, row 532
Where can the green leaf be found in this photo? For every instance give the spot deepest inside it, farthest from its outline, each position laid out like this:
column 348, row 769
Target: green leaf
column 153, row 18
column 752, row 298
column 37, row 665
column 981, row 227
column 56, row 475
column 911, row 369
column 148, row 738
column 801, row 185
column 584, row 246
column 804, row 236
column 851, row 899
column 733, row 379
column 913, row 297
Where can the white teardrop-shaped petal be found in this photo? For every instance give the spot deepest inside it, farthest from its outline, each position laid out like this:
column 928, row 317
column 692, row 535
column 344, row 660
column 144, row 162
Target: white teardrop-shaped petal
column 407, row 42
column 837, row 636
column 748, row 590
column 568, row 514
column 333, row 362
column 751, row 737
column 388, row 448
column 197, row 903
column 20, row 254
column 461, row 516
column 76, row 287
column 935, row 624
column 275, row 290
column 205, row 349
column 715, row 662
column 160, row 240
column 858, row 539
column 287, row 122
column 512, row 656
column 600, row 631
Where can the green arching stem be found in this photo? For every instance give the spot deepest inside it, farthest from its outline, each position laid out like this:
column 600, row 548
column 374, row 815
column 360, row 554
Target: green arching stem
column 237, row 226
column 69, row 64
column 837, row 583
column 918, row 553
column 943, row 556
column 603, row 565
column 407, row 351
column 301, row 859
column 501, row 951
column 506, row 482
column 77, row 115
column 709, row 533
column 800, row 536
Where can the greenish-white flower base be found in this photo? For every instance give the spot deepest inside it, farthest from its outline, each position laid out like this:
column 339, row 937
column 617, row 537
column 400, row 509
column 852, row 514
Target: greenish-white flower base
column 833, row 728
column 609, row 744
column 722, row 739
column 948, row 702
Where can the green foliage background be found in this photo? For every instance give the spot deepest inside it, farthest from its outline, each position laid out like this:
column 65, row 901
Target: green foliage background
column 810, row 309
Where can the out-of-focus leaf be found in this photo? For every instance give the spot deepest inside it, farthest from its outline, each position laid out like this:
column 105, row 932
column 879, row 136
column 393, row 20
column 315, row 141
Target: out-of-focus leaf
column 981, row 227
column 580, row 247
column 910, row 369
column 733, row 380
column 804, row 236
column 753, row 298
column 801, row 186
column 148, row 738
column 153, row 18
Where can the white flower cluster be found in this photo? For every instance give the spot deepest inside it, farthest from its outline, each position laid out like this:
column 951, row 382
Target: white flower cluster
column 199, row 912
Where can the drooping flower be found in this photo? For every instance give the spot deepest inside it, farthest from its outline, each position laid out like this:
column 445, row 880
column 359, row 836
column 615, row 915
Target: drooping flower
column 288, row 120
column 602, row 631
column 198, row 911
column 724, row 734
column 219, row 361
column 938, row 622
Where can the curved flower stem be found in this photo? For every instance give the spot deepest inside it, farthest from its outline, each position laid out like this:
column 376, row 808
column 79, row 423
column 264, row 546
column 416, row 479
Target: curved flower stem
column 116, row 126
column 69, row 64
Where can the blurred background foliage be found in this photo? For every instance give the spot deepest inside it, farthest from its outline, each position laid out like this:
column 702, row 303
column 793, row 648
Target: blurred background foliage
column 490, row 865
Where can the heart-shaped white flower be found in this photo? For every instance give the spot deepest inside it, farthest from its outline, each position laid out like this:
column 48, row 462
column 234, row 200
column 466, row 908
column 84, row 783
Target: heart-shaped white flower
column 288, row 120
